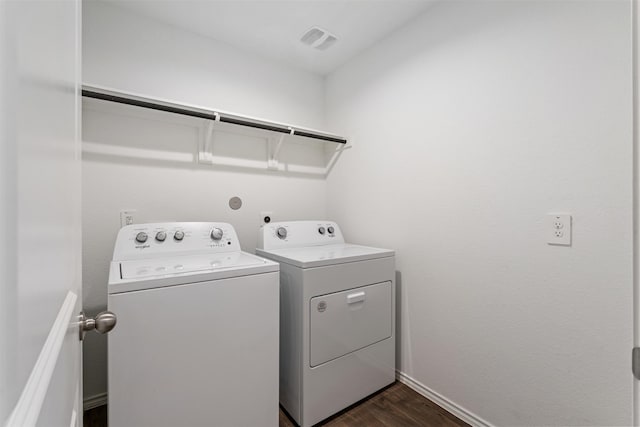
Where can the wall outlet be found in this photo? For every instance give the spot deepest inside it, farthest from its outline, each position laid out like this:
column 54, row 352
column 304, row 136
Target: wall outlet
column 127, row 217
column 266, row 217
column 559, row 229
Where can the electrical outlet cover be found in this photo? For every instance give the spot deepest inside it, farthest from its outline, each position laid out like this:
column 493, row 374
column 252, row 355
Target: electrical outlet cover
column 558, row 228
column 127, row 217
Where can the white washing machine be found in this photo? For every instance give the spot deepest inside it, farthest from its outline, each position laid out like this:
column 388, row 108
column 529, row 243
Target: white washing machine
column 197, row 336
column 337, row 317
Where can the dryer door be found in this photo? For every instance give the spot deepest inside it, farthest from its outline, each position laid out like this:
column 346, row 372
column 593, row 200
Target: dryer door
column 346, row 321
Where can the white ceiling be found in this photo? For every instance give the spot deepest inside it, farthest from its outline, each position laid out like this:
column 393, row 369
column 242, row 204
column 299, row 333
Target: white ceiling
column 272, row 28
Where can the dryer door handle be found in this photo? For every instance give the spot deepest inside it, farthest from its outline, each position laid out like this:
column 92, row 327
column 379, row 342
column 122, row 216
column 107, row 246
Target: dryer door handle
column 355, row 297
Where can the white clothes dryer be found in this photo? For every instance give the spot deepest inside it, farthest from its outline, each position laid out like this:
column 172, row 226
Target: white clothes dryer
column 197, row 336
column 337, row 317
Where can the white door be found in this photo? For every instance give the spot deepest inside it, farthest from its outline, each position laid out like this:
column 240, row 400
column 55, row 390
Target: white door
column 40, row 283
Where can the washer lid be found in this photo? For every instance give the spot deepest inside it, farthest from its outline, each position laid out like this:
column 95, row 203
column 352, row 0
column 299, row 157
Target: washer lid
column 318, row 256
column 168, row 271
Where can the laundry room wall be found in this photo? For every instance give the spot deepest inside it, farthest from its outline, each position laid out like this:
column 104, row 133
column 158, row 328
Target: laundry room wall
column 469, row 125
column 142, row 160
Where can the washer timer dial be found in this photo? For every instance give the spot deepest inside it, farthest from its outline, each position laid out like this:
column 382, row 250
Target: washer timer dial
column 281, row 232
column 216, row 233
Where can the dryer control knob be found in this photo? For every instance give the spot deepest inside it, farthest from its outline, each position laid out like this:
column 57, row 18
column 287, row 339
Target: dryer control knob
column 141, row 237
column 321, row 230
column 178, row 235
column 330, row 230
column 161, row 236
column 282, row 232
column 216, row 233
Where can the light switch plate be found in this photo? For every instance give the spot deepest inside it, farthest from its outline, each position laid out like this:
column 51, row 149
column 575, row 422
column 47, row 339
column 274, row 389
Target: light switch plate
column 559, row 229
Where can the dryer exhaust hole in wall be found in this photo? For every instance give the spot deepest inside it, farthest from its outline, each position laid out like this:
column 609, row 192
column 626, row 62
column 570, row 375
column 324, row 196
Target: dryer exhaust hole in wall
column 235, row 203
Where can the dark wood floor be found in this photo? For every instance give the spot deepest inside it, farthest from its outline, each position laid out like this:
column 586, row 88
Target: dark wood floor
column 96, row 417
column 395, row 406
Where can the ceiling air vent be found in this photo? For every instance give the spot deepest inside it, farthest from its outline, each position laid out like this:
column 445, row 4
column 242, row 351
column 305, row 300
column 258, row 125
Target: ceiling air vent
column 318, row 38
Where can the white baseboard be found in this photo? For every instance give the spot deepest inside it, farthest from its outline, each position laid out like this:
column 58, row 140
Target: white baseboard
column 457, row 410
column 95, row 401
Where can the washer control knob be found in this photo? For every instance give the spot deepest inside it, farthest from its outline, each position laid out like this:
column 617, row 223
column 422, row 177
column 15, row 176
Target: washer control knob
column 161, row 236
column 321, row 230
column 141, row 237
column 282, row 232
column 178, row 235
column 330, row 230
column 216, row 233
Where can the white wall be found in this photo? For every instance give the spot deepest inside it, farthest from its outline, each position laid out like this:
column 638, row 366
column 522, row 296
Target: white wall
column 469, row 125
column 131, row 53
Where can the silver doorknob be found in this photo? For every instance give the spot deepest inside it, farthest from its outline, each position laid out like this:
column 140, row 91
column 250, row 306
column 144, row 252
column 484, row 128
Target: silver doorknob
column 102, row 323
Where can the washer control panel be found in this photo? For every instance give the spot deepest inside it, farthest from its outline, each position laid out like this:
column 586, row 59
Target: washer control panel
column 295, row 234
column 138, row 241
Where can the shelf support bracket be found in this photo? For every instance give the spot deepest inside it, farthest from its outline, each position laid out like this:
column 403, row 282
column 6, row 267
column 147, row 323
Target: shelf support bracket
column 334, row 158
column 275, row 144
column 206, row 149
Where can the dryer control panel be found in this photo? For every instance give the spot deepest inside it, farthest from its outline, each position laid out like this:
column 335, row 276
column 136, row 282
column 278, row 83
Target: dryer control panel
column 139, row 241
column 297, row 234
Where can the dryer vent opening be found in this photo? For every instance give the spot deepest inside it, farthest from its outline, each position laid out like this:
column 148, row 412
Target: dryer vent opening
column 318, row 38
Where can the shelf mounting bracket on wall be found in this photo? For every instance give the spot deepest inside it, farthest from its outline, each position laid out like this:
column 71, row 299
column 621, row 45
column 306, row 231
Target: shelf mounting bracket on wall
column 205, row 154
column 275, row 144
column 335, row 156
